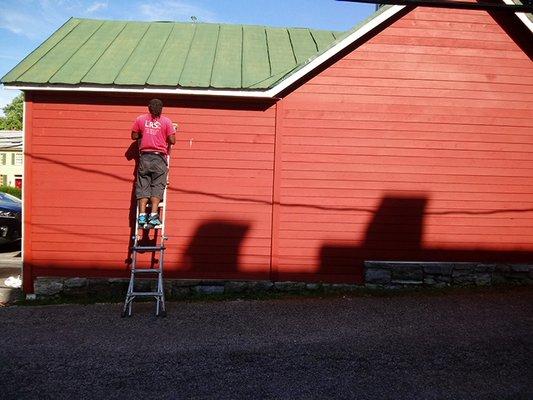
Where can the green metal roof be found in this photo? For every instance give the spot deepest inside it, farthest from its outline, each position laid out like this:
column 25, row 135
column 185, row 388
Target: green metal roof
column 169, row 54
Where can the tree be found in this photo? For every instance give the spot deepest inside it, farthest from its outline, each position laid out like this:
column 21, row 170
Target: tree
column 13, row 114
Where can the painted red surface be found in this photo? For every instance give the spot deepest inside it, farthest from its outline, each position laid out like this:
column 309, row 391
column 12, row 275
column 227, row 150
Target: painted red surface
column 416, row 145
column 79, row 207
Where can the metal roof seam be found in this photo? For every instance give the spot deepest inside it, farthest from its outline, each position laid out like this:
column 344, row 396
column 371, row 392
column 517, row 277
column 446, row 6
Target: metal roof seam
column 42, row 44
column 242, row 56
column 197, row 71
column 188, row 52
column 74, row 53
column 159, row 55
column 268, row 53
column 103, row 52
column 214, row 58
column 262, row 78
column 292, row 47
column 314, row 39
column 131, row 54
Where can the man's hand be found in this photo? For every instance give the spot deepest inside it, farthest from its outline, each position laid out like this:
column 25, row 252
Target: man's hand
column 135, row 135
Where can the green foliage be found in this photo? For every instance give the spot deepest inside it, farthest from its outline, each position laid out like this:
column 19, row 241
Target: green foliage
column 13, row 114
column 14, row 191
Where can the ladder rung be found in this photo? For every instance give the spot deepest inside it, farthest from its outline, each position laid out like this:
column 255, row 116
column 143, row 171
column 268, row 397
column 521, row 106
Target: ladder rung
column 161, row 205
column 147, row 270
column 146, row 294
column 148, row 248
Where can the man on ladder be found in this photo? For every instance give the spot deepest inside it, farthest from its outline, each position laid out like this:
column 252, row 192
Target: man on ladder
column 155, row 134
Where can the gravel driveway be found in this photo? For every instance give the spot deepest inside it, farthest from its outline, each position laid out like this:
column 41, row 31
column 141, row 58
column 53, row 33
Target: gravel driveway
column 474, row 345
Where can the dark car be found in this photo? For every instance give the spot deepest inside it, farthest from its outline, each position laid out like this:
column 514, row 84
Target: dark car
column 10, row 218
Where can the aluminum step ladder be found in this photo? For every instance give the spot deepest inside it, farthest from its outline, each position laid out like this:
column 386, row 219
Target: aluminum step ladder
column 143, row 243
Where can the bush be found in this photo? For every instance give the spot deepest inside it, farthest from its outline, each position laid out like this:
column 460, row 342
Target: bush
column 12, row 191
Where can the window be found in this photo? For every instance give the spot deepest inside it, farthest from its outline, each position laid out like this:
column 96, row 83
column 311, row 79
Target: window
column 18, row 159
column 3, row 158
column 12, row 158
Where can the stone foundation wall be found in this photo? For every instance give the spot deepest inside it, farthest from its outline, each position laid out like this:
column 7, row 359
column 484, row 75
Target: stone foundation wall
column 389, row 274
column 50, row 287
column 378, row 275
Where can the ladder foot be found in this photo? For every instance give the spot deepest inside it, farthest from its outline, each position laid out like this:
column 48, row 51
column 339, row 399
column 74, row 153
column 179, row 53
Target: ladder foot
column 162, row 314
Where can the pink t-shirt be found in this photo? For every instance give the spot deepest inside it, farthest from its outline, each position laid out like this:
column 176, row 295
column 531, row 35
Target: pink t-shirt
column 155, row 132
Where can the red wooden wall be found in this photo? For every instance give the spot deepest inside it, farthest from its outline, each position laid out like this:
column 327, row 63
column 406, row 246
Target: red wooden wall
column 417, row 145
column 80, row 168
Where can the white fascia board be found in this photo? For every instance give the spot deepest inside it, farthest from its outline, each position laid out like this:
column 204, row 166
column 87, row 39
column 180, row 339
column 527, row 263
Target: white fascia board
column 197, row 92
column 523, row 17
column 363, row 30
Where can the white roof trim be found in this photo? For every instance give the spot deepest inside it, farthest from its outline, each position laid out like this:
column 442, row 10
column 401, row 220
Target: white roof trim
column 523, row 17
column 203, row 92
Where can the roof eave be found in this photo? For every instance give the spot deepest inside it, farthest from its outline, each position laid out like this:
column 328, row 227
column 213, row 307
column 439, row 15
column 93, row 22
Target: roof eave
column 270, row 93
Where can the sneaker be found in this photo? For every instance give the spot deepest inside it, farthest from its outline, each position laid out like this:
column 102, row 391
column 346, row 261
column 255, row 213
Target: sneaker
column 142, row 221
column 154, row 220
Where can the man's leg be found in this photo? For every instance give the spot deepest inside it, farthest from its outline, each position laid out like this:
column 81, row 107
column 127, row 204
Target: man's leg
column 159, row 181
column 142, row 189
column 154, row 201
column 142, row 205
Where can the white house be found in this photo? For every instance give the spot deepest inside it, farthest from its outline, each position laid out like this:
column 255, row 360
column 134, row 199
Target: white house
column 11, row 158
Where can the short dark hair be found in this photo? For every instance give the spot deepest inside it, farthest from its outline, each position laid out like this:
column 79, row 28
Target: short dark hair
column 155, row 107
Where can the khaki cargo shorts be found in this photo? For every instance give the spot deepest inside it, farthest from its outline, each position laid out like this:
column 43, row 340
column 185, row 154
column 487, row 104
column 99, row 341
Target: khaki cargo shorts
column 151, row 176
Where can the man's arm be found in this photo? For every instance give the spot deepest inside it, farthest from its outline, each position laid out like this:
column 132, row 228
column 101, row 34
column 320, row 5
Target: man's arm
column 173, row 127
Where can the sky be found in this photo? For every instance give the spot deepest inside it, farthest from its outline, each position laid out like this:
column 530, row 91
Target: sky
column 25, row 24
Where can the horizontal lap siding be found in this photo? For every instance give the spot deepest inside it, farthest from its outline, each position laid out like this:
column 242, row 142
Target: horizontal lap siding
column 220, row 193
column 222, row 185
column 416, row 145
